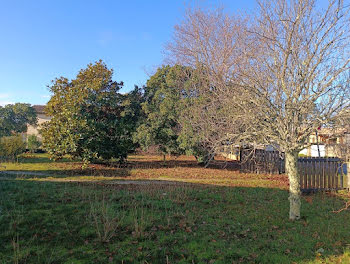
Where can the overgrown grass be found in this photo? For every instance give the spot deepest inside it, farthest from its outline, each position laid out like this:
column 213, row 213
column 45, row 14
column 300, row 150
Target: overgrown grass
column 102, row 222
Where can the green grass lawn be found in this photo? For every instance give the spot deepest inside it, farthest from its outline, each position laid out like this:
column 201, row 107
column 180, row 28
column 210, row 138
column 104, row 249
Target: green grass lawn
column 202, row 222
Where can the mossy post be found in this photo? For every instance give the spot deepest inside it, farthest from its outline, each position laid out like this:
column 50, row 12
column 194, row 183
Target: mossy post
column 294, row 185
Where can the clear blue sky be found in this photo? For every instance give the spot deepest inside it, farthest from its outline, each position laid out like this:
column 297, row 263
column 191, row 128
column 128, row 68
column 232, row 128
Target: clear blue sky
column 42, row 40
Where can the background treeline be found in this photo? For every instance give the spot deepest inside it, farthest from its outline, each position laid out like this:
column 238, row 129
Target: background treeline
column 94, row 121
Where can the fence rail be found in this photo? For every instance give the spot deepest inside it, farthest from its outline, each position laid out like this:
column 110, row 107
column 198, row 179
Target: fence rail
column 316, row 174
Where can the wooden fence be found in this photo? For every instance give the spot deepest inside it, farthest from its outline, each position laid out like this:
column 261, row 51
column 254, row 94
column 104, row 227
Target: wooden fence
column 261, row 161
column 316, row 174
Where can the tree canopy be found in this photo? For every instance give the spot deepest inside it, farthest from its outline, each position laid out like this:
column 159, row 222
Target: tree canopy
column 161, row 108
column 173, row 111
column 90, row 117
column 14, row 118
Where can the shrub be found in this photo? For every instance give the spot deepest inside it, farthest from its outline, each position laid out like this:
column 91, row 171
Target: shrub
column 33, row 143
column 11, row 147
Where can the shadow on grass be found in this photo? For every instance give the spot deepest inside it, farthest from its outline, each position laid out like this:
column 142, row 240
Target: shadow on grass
column 40, row 166
column 131, row 164
column 178, row 223
column 40, row 158
column 67, row 173
column 176, row 163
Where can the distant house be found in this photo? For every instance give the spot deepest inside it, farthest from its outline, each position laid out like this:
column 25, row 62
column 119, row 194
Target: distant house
column 327, row 143
column 330, row 143
column 42, row 118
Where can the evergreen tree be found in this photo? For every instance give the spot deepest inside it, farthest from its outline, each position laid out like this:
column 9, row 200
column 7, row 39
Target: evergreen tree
column 89, row 117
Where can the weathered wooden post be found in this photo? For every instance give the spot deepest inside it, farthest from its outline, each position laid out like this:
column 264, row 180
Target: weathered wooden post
column 348, row 174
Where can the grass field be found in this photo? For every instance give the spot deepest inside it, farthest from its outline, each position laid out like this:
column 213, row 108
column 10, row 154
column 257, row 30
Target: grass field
column 153, row 212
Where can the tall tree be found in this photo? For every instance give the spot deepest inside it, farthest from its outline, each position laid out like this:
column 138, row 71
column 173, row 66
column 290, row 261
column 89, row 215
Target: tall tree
column 161, row 108
column 88, row 119
column 209, row 43
column 14, row 118
column 286, row 72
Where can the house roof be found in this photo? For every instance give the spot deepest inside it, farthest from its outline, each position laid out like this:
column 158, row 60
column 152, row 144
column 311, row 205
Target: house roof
column 40, row 109
column 332, row 131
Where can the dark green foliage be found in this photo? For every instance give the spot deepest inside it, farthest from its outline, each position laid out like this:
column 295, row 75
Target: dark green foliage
column 11, row 147
column 33, row 143
column 110, row 122
column 14, row 118
column 190, row 140
column 132, row 113
column 162, row 109
column 168, row 97
column 90, row 118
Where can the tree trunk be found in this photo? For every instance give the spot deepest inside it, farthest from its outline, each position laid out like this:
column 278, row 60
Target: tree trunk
column 294, row 185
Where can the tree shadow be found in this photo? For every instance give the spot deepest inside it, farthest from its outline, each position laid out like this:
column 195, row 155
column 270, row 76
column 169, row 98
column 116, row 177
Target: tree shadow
column 178, row 163
column 141, row 162
column 67, row 173
column 70, row 168
column 184, row 223
column 40, row 158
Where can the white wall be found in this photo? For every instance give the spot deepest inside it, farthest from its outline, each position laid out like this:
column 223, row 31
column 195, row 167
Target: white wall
column 313, row 152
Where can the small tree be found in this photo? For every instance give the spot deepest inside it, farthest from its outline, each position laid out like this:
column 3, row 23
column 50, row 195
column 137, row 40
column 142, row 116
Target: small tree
column 11, row 147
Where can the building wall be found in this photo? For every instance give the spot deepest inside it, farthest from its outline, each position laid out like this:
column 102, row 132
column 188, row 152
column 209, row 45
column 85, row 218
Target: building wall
column 330, row 146
column 34, row 130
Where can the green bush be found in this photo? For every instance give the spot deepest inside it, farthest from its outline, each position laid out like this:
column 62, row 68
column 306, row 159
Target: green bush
column 33, row 143
column 11, row 147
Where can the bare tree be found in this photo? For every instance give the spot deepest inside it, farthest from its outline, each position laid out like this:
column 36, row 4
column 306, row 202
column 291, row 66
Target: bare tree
column 285, row 73
column 210, row 43
column 300, row 75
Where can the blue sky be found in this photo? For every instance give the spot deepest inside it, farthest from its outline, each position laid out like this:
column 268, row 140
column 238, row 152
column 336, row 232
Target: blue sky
column 42, row 40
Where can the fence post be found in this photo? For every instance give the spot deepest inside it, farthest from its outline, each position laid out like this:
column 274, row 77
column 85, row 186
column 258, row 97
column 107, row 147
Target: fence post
column 348, row 175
